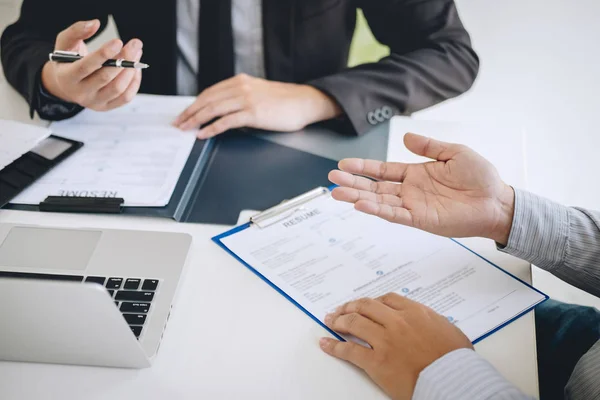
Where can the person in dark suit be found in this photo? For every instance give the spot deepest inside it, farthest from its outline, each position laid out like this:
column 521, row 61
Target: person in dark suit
column 269, row 64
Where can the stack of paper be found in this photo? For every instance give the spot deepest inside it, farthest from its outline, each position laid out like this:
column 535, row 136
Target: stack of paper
column 17, row 139
column 132, row 152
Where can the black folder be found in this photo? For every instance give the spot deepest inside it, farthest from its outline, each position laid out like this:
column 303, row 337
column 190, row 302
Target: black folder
column 234, row 172
column 24, row 171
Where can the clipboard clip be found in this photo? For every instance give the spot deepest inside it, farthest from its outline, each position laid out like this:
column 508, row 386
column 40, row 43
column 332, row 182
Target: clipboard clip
column 100, row 205
column 286, row 208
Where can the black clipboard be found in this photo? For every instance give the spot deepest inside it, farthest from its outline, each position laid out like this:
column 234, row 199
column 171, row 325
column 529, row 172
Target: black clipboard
column 230, row 173
column 21, row 173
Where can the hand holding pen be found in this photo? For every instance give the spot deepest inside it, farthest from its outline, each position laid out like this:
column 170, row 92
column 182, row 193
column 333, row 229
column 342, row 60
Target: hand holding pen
column 90, row 81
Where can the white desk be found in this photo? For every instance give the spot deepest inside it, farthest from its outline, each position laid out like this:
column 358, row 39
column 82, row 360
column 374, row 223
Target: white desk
column 230, row 335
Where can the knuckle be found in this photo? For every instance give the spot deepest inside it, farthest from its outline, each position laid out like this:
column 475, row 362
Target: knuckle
column 129, row 95
column 115, row 88
column 351, row 320
column 210, row 109
column 339, row 350
column 243, row 77
column 383, row 169
column 252, row 109
column 82, row 69
column 387, row 298
column 380, row 359
column 106, row 52
column 121, row 86
column 246, row 89
column 193, row 120
column 361, row 305
column 60, row 38
column 219, row 126
column 105, row 76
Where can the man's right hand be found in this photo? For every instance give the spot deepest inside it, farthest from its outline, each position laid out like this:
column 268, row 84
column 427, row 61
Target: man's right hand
column 459, row 194
column 86, row 82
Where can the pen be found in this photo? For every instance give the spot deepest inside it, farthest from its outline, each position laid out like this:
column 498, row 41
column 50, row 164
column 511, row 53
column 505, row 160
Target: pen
column 71, row 56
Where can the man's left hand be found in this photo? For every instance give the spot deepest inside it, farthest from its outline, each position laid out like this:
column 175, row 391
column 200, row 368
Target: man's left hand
column 405, row 338
column 245, row 101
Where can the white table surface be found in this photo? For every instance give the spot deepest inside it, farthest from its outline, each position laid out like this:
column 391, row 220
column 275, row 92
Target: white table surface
column 230, row 335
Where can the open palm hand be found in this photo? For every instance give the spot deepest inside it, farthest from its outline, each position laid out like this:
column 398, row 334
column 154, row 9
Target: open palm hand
column 458, row 195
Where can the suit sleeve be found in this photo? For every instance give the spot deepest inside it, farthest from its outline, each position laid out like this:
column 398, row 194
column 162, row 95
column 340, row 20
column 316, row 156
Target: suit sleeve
column 431, row 60
column 25, row 46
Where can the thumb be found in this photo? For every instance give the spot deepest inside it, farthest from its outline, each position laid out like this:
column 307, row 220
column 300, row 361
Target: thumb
column 70, row 37
column 430, row 148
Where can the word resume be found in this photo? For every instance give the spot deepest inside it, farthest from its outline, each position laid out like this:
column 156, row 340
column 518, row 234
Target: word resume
column 326, row 253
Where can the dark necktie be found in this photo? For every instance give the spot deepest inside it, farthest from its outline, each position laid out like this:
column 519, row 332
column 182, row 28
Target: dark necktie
column 216, row 60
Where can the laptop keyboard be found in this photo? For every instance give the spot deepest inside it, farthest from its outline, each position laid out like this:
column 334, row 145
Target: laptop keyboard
column 132, row 296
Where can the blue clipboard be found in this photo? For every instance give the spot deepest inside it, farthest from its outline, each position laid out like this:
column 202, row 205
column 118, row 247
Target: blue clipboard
column 307, row 197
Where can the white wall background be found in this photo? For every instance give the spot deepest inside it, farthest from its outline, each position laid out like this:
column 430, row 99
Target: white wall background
column 540, row 68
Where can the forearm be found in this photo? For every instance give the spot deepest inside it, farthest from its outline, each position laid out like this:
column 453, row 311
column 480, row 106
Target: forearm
column 463, row 374
column 23, row 56
column 562, row 240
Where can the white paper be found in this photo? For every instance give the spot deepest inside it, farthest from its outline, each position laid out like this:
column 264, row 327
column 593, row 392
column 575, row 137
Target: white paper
column 501, row 143
column 17, row 139
column 132, row 152
column 326, row 254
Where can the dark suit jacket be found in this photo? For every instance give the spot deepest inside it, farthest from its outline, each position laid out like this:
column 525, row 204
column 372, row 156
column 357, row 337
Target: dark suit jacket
column 306, row 41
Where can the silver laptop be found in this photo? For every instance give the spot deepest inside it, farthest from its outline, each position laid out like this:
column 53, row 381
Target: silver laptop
column 86, row 296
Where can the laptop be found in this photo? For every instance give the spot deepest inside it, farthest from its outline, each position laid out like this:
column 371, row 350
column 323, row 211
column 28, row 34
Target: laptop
column 95, row 297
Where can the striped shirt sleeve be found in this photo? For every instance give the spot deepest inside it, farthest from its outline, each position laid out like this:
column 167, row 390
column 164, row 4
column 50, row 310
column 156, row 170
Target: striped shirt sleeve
column 463, row 374
column 562, row 240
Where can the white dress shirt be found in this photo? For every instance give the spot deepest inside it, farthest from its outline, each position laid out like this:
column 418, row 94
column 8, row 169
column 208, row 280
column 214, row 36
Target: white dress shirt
column 246, row 20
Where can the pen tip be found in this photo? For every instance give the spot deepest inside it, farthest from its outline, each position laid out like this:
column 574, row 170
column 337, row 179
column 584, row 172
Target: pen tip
column 141, row 65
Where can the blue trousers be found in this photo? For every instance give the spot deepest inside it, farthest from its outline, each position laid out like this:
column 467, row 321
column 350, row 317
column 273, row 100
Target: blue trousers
column 565, row 332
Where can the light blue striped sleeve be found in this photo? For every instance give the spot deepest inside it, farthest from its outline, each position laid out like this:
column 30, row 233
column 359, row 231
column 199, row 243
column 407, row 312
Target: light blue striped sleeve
column 584, row 382
column 562, row 240
column 463, row 374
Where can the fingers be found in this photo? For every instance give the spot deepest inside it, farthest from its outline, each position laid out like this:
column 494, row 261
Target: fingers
column 397, row 302
column 386, row 171
column 104, row 76
column 129, row 93
column 430, row 148
column 231, row 121
column 345, row 179
column 349, row 195
column 374, row 310
column 124, row 76
column 70, row 37
column 212, row 111
column 91, row 63
column 395, row 214
column 213, row 94
column 348, row 351
column 356, row 325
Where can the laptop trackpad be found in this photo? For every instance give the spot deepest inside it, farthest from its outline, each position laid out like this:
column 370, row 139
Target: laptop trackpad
column 48, row 248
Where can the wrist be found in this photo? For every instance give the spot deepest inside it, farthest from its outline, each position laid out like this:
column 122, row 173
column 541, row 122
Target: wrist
column 317, row 105
column 505, row 211
column 49, row 83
